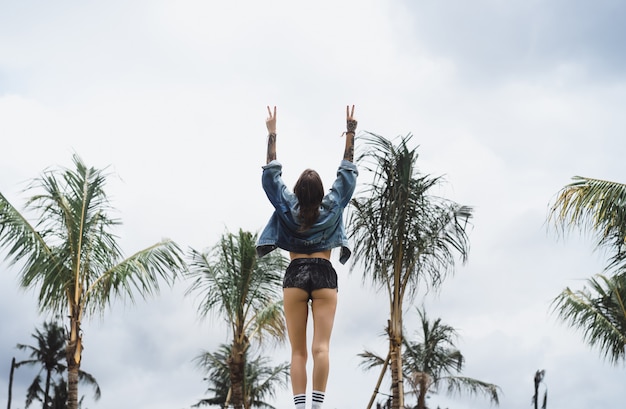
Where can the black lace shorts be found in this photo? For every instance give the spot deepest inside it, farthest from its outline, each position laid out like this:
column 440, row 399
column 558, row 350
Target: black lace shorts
column 310, row 274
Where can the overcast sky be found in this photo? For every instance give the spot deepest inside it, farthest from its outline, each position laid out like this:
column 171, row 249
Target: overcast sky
column 507, row 99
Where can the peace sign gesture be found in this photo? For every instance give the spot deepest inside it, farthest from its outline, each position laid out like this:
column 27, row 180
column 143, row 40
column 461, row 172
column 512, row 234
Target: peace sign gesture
column 270, row 122
column 350, row 121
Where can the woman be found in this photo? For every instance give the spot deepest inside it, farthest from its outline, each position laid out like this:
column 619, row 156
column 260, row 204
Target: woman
column 308, row 224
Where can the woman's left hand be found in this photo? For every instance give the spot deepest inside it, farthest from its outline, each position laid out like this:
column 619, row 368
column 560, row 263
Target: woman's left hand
column 270, row 122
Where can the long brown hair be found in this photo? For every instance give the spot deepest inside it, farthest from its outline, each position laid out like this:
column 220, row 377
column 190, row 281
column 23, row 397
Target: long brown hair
column 310, row 191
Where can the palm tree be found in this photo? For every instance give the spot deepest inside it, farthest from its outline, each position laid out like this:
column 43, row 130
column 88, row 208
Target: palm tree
column 599, row 207
column 232, row 281
column 59, row 399
column 261, row 379
column 403, row 234
column 74, row 259
column 434, row 363
column 50, row 354
column 539, row 375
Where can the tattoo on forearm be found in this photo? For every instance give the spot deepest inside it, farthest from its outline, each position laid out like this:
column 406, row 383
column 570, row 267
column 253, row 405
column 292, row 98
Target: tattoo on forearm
column 348, row 154
column 351, row 125
column 271, row 147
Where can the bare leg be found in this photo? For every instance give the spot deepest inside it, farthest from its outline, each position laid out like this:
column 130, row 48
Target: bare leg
column 295, row 303
column 323, row 306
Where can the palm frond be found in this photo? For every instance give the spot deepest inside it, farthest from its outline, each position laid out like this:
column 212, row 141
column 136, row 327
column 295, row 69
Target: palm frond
column 268, row 321
column 141, row 272
column 263, row 380
column 212, row 287
column 88, row 378
column 599, row 312
column 34, row 391
column 370, row 360
column 460, row 385
column 19, row 237
column 595, row 206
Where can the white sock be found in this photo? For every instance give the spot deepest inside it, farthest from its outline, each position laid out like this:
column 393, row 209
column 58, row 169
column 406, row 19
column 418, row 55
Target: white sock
column 318, row 400
column 300, row 401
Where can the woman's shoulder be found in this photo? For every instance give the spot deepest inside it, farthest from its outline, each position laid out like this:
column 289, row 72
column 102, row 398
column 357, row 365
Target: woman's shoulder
column 330, row 202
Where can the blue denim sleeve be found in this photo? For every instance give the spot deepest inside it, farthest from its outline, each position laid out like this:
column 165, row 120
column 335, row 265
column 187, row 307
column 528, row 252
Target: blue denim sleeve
column 343, row 187
column 273, row 184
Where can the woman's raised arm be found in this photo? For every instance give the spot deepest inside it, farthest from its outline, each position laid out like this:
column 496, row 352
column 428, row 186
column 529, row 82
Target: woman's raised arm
column 270, row 122
column 348, row 153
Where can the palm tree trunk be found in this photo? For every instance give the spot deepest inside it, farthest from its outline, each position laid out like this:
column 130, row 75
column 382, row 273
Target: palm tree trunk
column 395, row 354
column 396, row 376
column 395, row 337
column 236, row 365
column 380, row 380
column 73, row 355
column 11, row 382
column 72, row 380
column 46, row 392
column 421, row 398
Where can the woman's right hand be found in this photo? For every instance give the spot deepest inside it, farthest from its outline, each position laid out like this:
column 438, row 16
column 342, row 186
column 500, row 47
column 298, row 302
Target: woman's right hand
column 350, row 121
column 270, row 122
column 351, row 124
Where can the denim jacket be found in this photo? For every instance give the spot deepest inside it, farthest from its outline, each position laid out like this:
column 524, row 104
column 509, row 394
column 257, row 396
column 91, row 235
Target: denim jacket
column 327, row 233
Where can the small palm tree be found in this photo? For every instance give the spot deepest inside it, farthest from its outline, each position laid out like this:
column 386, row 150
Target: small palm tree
column 233, row 282
column 59, row 398
column 215, row 365
column 50, row 354
column 71, row 255
column 261, row 379
column 539, row 375
column 433, row 364
column 599, row 207
column 403, row 235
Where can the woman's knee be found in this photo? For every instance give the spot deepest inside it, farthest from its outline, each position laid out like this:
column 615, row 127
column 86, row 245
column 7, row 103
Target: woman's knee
column 320, row 349
column 299, row 354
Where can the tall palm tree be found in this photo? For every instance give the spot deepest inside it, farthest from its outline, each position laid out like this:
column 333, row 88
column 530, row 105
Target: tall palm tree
column 49, row 353
column 70, row 254
column 403, row 235
column 599, row 207
column 245, row 290
column 434, row 363
column 261, row 379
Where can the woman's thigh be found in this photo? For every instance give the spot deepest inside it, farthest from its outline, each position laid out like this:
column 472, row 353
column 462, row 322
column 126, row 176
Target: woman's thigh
column 323, row 306
column 295, row 304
